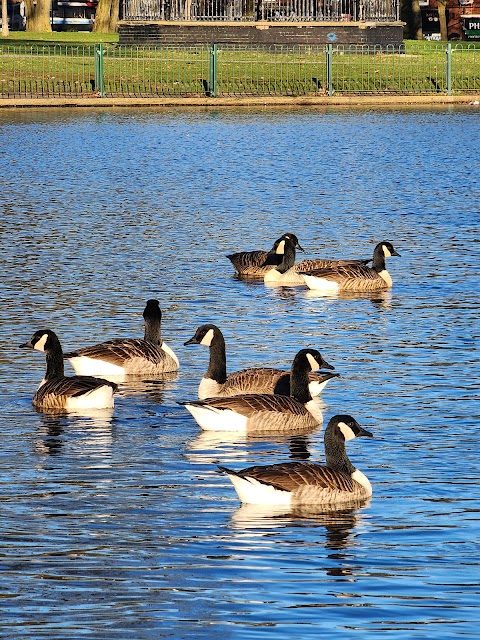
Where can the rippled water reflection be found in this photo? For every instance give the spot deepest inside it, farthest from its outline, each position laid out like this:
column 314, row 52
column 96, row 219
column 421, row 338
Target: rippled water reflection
column 117, row 525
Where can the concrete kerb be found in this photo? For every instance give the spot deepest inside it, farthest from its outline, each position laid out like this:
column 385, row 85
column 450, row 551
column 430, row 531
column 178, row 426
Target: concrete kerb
column 273, row 101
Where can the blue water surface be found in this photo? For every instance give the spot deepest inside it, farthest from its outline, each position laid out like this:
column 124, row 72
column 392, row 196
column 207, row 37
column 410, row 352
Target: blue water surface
column 117, row 524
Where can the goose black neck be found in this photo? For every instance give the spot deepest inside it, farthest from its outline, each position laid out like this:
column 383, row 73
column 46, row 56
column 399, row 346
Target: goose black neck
column 379, row 259
column 288, row 259
column 217, row 366
column 54, row 357
column 153, row 327
column 336, row 452
column 299, row 380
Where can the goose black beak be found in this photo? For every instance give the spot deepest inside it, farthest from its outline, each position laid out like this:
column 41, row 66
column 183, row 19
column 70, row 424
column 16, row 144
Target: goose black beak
column 364, row 432
column 395, row 253
column 326, row 365
column 191, row 341
column 26, row 345
column 297, row 246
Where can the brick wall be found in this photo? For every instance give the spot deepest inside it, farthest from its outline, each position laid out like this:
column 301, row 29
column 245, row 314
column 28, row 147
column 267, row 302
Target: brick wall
column 156, row 33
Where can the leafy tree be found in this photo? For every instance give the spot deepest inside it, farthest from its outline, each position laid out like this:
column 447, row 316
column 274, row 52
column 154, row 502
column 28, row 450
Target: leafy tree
column 38, row 15
column 106, row 16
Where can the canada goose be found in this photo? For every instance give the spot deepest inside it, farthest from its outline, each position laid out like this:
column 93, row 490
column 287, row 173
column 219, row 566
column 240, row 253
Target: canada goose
column 128, row 356
column 257, row 263
column 284, row 274
column 57, row 391
column 355, row 277
column 265, row 412
column 216, row 382
column 298, row 483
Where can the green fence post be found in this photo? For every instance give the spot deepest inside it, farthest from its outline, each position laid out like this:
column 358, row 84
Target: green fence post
column 449, row 68
column 99, row 79
column 212, row 84
column 330, row 69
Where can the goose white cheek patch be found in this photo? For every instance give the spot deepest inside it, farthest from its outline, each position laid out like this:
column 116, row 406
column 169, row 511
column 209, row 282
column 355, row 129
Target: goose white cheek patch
column 207, row 338
column 281, row 247
column 386, row 252
column 346, row 430
column 40, row 344
column 313, row 363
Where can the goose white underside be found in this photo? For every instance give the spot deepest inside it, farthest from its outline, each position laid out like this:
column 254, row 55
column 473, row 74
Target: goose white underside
column 213, row 419
column 321, row 284
column 290, row 278
column 208, row 388
column 101, row 398
column 251, row 491
column 169, row 352
column 85, row 366
column 316, row 388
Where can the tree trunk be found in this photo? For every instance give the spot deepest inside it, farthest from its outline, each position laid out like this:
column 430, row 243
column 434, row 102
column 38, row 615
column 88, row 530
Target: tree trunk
column 106, row 16
column 442, row 18
column 38, row 16
column 5, row 29
column 417, row 20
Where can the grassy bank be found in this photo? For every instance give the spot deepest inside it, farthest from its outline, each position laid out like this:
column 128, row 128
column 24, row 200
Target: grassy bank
column 66, row 64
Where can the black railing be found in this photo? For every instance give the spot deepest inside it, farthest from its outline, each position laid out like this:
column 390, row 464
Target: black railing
column 258, row 10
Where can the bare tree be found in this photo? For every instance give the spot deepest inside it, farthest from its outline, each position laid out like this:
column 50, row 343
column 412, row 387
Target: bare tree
column 38, row 15
column 442, row 18
column 5, row 30
column 106, row 16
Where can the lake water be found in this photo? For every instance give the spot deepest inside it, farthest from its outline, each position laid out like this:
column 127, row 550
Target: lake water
column 118, row 525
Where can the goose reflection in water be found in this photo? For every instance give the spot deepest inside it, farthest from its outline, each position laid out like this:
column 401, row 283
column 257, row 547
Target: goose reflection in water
column 341, row 523
column 96, row 426
column 232, row 445
column 381, row 299
column 153, row 388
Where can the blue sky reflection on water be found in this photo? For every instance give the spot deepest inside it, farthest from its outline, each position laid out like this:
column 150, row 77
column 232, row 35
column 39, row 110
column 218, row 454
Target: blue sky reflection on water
column 118, row 525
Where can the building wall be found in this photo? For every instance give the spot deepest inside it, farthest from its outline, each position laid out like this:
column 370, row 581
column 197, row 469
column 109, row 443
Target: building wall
column 155, row 33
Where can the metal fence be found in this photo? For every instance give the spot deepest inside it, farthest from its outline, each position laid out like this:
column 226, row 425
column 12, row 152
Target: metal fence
column 253, row 10
column 279, row 70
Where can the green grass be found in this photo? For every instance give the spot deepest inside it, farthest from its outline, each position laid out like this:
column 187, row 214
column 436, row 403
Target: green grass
column 64, row 64
column 58, row 37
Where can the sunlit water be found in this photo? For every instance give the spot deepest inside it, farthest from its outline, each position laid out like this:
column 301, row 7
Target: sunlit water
column 118, row 525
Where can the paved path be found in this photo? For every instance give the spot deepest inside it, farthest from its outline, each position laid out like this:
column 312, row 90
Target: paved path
column 347, row 101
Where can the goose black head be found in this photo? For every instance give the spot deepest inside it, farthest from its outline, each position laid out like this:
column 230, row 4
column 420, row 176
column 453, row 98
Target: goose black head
column 348, row 427
column 204, row 335
column 42, row 340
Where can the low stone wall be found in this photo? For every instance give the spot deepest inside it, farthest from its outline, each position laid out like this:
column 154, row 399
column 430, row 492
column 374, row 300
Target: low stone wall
column 260, row 33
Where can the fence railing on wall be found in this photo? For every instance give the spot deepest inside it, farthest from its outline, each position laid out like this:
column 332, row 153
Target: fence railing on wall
column 221, row 70
column 254, row 10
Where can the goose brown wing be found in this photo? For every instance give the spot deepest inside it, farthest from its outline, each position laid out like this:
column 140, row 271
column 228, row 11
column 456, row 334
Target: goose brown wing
column 245, row 259
column 320, row 263
column 266, row 380
column 74, row 386
column 290, row 476
column 249, row 404
column 346, row 272
column 253, row 380
column 117, row 351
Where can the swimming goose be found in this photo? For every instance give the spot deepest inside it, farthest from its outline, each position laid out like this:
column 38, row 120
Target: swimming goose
column 128, row 356
column 284, row 274
column 57, row 391
column 257, row 263
column 216, row 382
column 299, row 483
column 265, row 412
column 355, row 277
